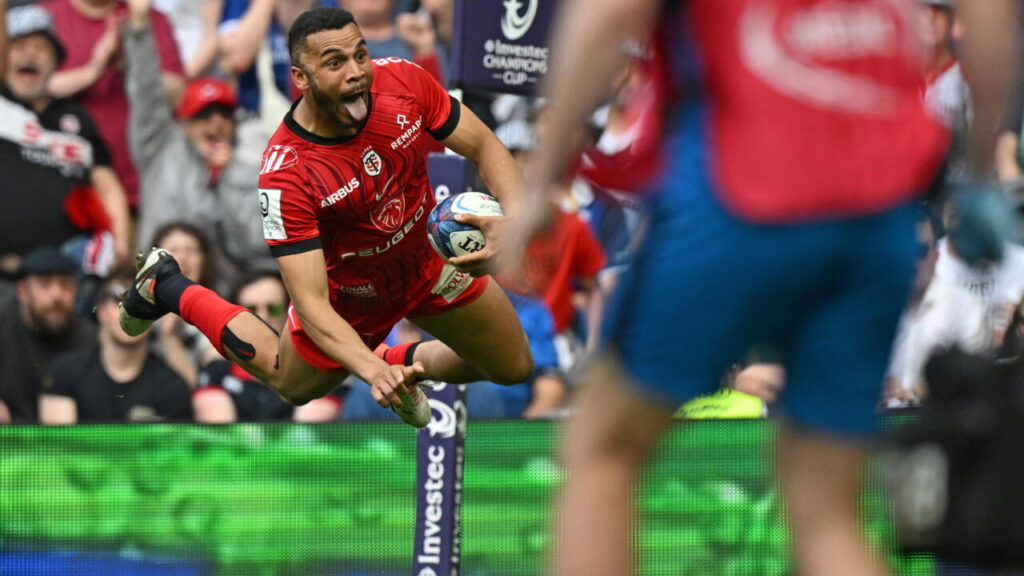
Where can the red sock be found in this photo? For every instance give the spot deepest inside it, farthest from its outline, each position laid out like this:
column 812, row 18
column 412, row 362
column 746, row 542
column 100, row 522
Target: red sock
column 400, row 355
column 204, row 309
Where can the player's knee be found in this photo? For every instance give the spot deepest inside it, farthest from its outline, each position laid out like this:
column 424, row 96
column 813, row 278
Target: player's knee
column 297, row 397
column 290, row 392
column 517, row 369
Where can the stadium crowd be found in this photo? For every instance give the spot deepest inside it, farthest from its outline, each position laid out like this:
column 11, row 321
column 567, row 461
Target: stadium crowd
column 125, row 125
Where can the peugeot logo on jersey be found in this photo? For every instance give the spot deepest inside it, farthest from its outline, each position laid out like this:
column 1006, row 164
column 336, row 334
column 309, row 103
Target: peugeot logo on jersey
column 372, row 162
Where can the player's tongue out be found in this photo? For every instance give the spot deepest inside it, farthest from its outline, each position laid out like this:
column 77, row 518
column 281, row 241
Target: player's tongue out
column 356, row 106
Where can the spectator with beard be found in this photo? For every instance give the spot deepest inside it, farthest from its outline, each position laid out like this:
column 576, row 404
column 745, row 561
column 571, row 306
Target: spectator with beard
column 117, row 380
column 56, row 179
column 37, row 326
column 94, row 71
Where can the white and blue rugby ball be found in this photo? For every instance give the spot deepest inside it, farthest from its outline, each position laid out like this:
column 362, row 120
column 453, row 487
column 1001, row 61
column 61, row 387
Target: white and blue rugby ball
column 450, row 238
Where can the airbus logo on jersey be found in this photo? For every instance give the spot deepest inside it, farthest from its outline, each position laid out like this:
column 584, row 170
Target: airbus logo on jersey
column 340, row 193
column 409, row 136
column 514, row 26
column 278, row 157
column 372, row 162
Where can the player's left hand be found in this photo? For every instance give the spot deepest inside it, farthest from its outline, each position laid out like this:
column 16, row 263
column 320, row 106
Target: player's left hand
column 488, row 259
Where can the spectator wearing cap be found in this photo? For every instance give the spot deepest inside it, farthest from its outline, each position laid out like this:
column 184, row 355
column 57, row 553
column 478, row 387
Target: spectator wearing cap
column 94, row 71
column 56, row 179
column 37, row 326
column 191, row 167
column 118, row 379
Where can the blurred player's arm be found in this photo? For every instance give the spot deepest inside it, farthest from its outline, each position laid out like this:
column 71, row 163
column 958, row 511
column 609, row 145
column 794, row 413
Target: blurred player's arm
column 1008, row 168
column 305, row 276
column 989, row 62
column 499, row 172
column 56, row 410
column 581, row 65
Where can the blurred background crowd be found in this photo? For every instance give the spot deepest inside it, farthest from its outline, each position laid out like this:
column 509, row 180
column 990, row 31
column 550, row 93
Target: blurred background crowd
column 125, row 125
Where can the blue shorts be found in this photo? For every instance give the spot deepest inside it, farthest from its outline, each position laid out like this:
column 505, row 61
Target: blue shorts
column 705, row 286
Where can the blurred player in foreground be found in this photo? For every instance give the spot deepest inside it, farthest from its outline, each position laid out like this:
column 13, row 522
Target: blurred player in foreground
column 344, row 197
column 785, row 213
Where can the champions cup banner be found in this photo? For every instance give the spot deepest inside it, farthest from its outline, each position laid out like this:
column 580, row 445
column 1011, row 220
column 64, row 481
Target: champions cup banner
column 501, row 45
column 452, row 174
column 440, row 455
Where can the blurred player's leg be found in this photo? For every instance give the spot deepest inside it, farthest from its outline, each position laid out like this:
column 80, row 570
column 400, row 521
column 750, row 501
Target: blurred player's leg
column 821, row 484
column 606, row 442
column 482, row 340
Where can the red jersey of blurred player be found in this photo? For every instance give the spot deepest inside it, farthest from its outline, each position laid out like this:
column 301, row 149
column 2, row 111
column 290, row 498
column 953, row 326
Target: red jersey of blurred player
column 365, row 200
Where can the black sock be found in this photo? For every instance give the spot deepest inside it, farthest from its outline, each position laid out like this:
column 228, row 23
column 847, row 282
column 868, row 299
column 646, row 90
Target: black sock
column 170, row 289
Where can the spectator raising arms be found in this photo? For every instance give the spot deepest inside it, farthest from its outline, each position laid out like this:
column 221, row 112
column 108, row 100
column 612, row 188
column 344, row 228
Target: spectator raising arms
column 195, row 24
column 245, row 24
column 52, row 145
column 190, row 168
column 93, row 73
column 118, row 380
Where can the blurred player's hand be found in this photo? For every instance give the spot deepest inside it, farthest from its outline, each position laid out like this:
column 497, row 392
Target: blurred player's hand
column 491, row 258
column 388, row 383
column 982, row 222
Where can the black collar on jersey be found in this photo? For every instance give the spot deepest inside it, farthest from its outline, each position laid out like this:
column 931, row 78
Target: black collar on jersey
column 289, row 121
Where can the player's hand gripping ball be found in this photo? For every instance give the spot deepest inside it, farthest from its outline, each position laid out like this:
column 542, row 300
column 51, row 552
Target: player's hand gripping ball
column 451, row 238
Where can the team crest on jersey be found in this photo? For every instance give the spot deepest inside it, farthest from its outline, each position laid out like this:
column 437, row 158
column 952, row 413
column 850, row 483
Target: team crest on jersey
column 278, row 157
column 372, row 162
column 388, row 216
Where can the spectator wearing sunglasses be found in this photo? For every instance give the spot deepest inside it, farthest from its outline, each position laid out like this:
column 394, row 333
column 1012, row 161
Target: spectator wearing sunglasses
column 226, row 393
column 193, row 162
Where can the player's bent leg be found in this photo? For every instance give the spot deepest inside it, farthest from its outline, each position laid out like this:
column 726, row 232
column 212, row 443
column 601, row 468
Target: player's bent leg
column 482, row 340
column 607, row 440
column 296, row 380
column 820, row 480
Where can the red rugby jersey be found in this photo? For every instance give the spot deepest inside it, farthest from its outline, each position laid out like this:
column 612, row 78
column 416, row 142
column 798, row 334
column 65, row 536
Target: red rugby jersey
column 363, row 199
column 815, row 106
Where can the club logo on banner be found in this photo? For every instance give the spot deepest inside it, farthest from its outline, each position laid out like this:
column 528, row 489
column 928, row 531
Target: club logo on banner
column 513, row 26
column 501, row 45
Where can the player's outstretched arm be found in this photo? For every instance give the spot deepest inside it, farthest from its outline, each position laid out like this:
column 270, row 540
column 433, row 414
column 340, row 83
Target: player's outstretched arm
column 305, row 276
column 500, row 173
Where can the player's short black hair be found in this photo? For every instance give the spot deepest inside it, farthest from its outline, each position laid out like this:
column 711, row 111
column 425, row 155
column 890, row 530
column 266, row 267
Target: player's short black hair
column 311, row 22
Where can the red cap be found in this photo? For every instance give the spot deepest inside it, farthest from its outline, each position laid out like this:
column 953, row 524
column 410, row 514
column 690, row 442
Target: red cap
column 204, row 92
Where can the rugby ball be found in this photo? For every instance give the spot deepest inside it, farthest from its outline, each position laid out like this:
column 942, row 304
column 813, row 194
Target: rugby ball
column 450, row 238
